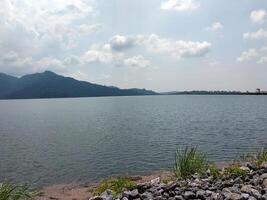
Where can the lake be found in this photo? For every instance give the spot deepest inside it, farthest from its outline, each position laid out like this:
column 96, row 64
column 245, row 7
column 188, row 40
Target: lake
column 51, row 141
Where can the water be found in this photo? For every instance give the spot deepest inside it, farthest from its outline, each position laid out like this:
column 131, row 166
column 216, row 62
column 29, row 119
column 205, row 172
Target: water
column 53, row 141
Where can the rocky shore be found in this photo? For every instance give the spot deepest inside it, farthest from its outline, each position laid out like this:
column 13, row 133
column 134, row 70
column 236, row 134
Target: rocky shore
column 251, row 185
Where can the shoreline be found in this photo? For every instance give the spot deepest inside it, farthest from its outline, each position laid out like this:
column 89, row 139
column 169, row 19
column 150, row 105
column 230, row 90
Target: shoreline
column 79, row 191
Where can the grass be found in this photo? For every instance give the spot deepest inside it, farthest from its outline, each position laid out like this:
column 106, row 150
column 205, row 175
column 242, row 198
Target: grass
column 116, row 185
column 234, row 172
column 189, row 161
column 14, row 192
column 258, row 158
column 214, row 171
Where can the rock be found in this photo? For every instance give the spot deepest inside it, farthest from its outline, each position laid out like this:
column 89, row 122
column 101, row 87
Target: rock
column 252, row 198
column 124, row 198
column 244, row 196
column 264, row 165
column 255, row 193
column 97, row 198
column 189, row 195
column 131, row 194
column 264, row 197
column 179, row 197
column 264, row 183
column 245, row 168
column 107, row 195
column 263, row 176
column 155, row 181
column 146, row 195
column 201, row 194
column 246, row 189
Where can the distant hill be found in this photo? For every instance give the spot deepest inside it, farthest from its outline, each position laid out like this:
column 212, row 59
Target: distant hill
column 51, row 85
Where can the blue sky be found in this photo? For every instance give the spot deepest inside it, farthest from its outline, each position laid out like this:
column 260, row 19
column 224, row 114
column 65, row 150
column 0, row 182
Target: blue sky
column 163, row 45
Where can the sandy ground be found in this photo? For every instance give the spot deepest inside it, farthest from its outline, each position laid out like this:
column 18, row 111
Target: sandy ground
column 79, row 192
column 82, row 192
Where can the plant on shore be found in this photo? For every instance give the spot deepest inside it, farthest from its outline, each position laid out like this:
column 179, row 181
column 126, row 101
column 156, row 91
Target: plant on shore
column 258, row 158
column 234, row 172
column 116, row 185
column 189, row 161
column 14, row 192
column 214, row 171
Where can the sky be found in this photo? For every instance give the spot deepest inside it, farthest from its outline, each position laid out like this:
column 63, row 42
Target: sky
column 163, row 45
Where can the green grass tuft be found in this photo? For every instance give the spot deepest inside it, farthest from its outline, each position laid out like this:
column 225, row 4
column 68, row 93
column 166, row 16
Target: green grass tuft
column 258, row 158
column 234, row 172
column 189, row 161
column 116, row 185
column 14, row 192
column 214, row 171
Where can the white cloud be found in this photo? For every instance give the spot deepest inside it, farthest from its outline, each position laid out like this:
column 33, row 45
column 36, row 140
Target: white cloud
column 120, row 42
column 99, row 53
column 260, row 34
column 248, row 55
column 258, row 16
column 71, row 61
column 215, row 26
column 180, row 5
column 177, row 48
column 86, row 29
column 263, row 60
column 137, row 61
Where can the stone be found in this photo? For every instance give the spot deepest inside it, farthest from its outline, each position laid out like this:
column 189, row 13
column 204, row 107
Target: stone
column 264, row 183
column 146, row 195
column 201, row 194
column 252, row 198
column 246, row 189
column 264, row 165
column 97, row 198
column 131, row 194
column 179, row 197
column 244, row 196
column 255, row 193
column 263, row 176
column 189, row 195
column 107, row 195
column 155, row 181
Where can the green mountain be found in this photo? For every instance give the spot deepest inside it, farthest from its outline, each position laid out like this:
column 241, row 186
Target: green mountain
column 51, row 85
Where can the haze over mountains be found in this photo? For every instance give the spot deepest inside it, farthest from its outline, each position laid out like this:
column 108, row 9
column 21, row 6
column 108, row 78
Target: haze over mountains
column 51, row 85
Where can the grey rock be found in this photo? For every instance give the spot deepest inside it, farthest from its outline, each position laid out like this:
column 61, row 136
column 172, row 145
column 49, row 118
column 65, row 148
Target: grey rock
column 201, row 194
column 107, row 195
column 97, row 198
column 255, row 193
column 244, row 196
column 189, row 195
column 146, row 195
column 155, row 181
column 263, row 176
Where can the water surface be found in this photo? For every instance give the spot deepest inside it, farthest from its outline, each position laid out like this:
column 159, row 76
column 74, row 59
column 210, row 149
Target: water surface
column 51, row 141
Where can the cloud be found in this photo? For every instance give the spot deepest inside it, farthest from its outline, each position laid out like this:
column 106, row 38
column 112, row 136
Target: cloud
column 180, row 5
column 215, row 26
column 99, row 53
column 263, row 60
column 248, row 55
column 71, row 61
column 120, row 42
column 137, row 62
column 177, row 48
column 87, row 29
column 44, row 26
column 258, row 16
column 258, row 35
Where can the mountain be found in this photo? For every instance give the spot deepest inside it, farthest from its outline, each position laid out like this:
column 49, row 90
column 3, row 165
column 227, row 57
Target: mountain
column 51, row 85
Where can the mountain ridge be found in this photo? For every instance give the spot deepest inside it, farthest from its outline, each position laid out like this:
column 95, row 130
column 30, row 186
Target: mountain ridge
column 51, row 85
